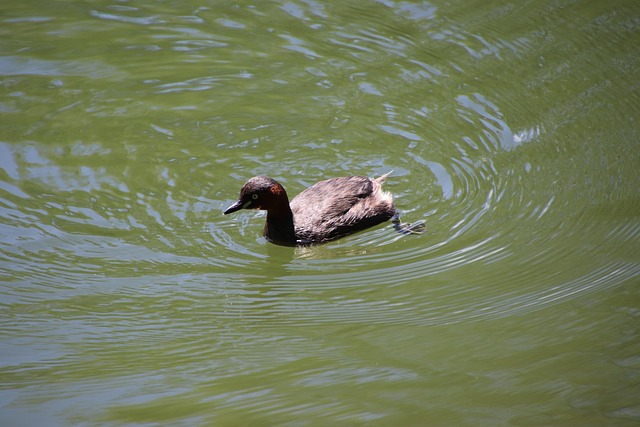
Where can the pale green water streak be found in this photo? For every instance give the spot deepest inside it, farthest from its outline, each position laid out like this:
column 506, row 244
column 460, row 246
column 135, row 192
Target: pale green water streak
column 128, row 299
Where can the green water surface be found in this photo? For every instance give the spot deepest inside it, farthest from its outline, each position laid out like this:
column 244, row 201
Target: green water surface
column 511, row 128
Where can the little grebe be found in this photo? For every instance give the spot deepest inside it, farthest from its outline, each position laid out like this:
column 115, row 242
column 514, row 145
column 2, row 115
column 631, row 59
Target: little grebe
column 325, row 211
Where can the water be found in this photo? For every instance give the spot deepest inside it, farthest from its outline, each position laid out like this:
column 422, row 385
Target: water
column 128, row 299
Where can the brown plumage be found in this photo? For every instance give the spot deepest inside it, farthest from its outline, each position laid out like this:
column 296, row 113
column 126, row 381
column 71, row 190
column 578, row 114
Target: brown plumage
column 325, row 211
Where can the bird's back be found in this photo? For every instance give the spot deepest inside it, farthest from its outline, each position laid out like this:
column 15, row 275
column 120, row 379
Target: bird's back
column 339, row 206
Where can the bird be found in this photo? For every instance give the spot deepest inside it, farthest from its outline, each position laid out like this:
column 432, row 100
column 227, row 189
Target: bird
column 326, row 211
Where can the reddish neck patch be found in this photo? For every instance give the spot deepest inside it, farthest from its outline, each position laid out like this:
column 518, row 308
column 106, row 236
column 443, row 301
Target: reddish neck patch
column 278, row 203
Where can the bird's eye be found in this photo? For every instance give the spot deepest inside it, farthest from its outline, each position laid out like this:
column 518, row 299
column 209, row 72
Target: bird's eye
column 254, row 196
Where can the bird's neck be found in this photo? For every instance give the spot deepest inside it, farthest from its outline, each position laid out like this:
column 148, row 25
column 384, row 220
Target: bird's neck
column 279, row 227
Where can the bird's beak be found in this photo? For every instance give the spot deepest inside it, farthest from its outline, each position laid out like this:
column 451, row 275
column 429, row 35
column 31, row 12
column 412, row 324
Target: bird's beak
column 237, row 206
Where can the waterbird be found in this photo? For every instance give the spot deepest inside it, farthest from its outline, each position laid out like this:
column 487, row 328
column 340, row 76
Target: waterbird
column 326, row 211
